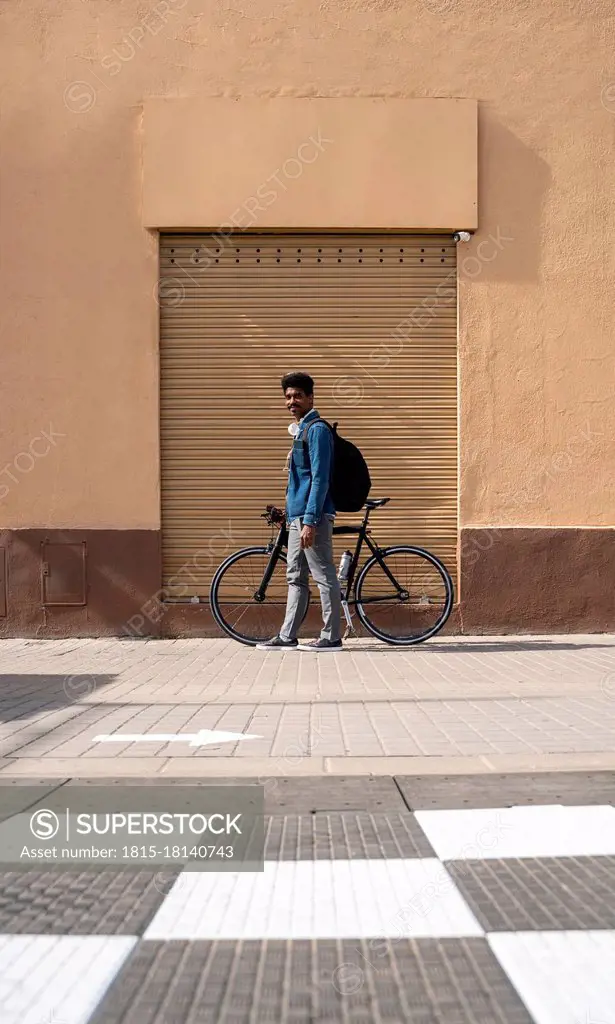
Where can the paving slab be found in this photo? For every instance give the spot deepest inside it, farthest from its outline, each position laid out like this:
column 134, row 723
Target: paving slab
column 498, row 790
column 67, row 767
column 92, row 902
column 333, row 793
column 258, row 767
column 57, row 979
column 570, row 761
column 16, row 796
column 539, row 894
column 345, row 836
column 467, row 765
column 536, row 831
column 418, row 982
column 318, row 899
column 562, row 977
column 406, row 766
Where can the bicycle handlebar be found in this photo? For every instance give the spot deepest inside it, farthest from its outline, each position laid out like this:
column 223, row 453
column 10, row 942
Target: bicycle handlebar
column 274, row 516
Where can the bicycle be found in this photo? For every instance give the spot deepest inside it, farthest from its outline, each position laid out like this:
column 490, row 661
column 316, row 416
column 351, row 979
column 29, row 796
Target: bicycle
column 248, row 590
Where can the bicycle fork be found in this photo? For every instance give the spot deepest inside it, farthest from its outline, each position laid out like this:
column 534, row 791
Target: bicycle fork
column 345, row 608
column 259, row 594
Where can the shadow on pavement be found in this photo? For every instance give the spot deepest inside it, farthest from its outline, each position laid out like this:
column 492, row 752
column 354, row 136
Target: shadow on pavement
column 483, row 647
column 22, row 696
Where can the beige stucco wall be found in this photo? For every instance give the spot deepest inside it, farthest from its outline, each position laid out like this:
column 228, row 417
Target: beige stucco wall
column 78, row 282
column 349, row 164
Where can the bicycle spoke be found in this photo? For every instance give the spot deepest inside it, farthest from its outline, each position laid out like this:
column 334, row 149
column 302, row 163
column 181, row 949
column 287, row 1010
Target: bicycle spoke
column 233, row 597
column 418, row 603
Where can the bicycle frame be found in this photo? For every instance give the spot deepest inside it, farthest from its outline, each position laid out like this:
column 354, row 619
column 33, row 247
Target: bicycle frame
column 370, row 580
column 362, row 534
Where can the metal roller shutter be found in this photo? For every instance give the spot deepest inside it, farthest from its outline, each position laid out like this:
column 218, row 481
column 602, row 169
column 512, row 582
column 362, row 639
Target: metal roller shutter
column 372, row 318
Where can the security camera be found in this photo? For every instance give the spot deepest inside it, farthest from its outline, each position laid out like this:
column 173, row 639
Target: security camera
column 462, row 236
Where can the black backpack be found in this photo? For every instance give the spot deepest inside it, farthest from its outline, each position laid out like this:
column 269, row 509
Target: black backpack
column 350, row 482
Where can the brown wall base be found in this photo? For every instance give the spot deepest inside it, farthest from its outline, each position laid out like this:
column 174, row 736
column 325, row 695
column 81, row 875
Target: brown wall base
column 87, row 583
column 96, row 580
column 537, row 580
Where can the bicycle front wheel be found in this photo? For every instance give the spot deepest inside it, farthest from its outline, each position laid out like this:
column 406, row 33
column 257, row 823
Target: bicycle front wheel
column 404, row 596
column 234, row 596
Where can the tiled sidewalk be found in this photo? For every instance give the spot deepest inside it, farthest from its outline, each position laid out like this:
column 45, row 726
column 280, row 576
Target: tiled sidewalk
column 481, row 705
column 225, row 671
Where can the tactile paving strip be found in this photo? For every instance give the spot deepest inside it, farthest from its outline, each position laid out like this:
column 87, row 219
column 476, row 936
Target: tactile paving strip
column 276, row 982
column 447, row 792
column 344, row 837
column 571, row 893
column 81, row 902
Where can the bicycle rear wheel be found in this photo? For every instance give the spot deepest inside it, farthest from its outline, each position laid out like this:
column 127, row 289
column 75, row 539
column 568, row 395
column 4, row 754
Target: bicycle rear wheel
column 233, row 600
column 406, row 598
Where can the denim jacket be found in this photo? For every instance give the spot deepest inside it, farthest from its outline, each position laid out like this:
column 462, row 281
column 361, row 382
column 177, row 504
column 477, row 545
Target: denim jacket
column 308, row 495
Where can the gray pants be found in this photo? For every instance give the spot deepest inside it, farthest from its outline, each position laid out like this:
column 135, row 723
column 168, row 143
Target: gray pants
column 317, row 560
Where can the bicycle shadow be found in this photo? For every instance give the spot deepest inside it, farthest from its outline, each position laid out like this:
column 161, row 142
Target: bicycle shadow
column 359, row 645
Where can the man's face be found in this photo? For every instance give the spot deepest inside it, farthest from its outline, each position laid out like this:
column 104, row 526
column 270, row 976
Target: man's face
column 297, row 402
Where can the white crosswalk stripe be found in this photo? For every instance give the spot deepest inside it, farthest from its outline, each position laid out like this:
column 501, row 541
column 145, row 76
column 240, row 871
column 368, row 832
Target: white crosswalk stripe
column 318, row 900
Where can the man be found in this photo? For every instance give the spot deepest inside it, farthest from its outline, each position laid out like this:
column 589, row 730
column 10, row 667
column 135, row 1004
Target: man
column 310, row 514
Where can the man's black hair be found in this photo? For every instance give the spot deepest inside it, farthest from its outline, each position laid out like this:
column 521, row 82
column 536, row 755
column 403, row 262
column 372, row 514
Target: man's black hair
column 298, row 380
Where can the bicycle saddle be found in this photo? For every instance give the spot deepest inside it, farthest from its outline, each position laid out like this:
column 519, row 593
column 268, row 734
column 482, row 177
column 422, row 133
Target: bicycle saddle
column 376, row 502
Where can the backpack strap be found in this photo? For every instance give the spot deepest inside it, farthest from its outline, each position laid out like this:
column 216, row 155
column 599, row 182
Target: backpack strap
column 304, row 435
column 306, row 448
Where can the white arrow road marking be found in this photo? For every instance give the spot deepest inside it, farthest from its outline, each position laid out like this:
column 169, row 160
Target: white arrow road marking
column 196, row 739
